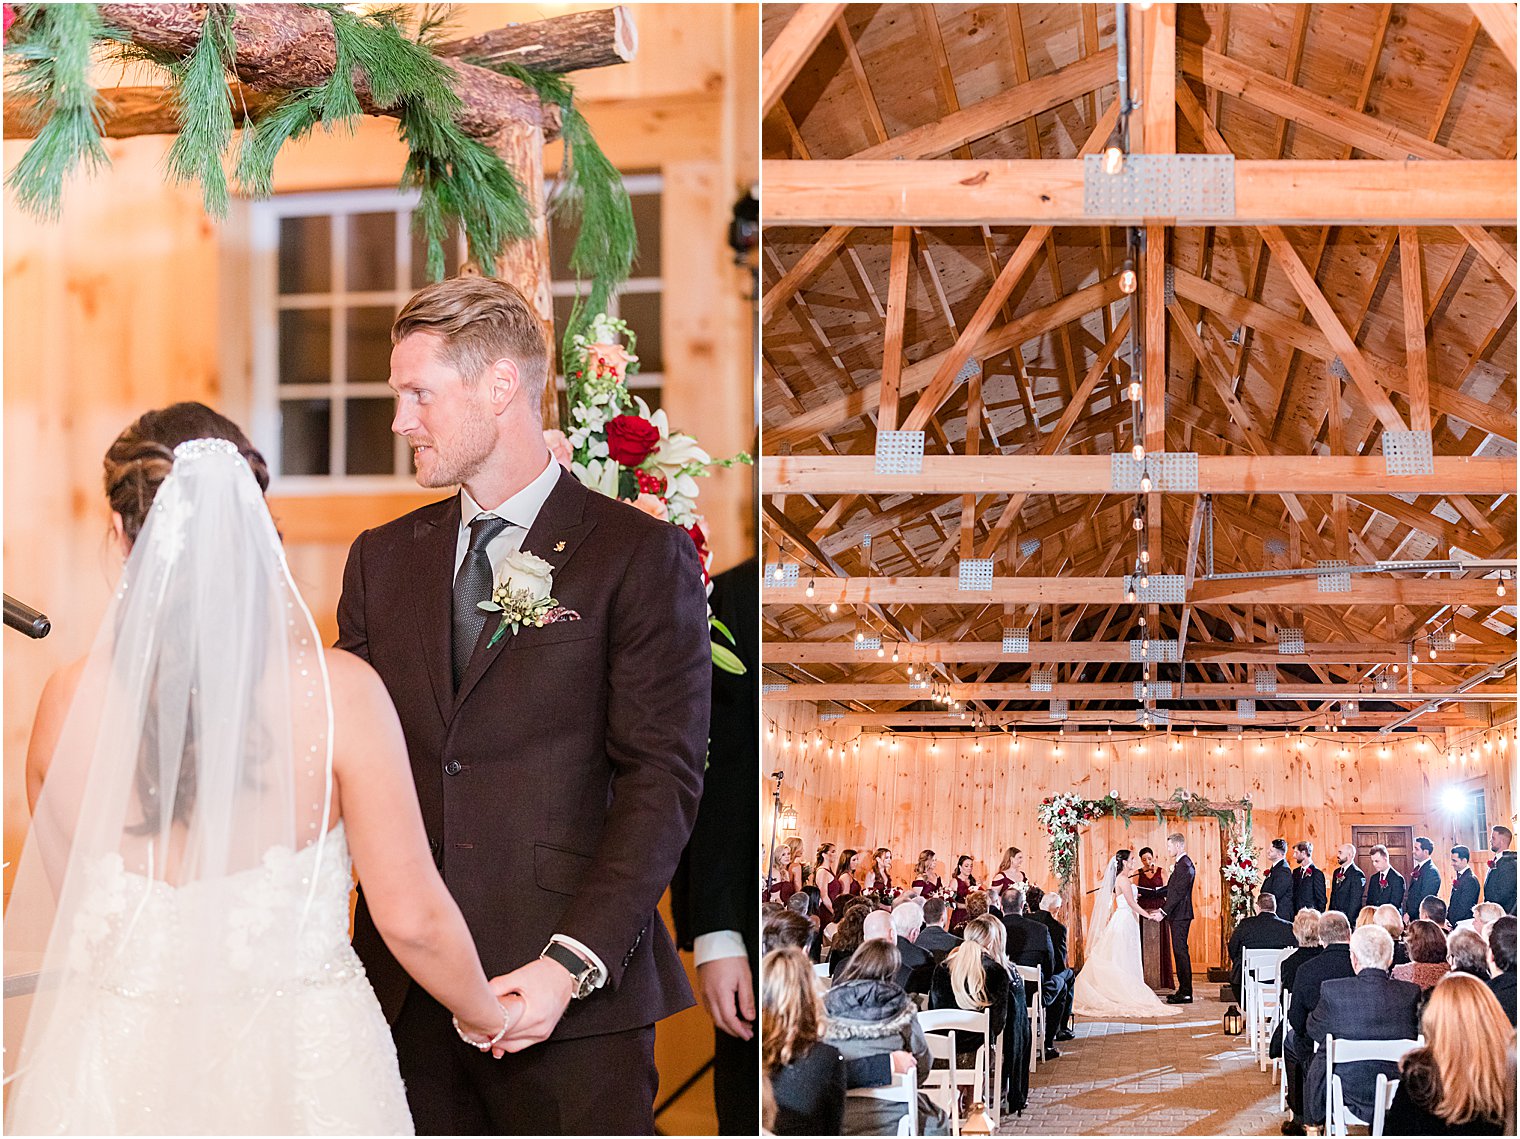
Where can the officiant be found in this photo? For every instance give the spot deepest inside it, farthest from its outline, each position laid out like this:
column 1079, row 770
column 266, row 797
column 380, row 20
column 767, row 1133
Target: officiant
column 1155, row 945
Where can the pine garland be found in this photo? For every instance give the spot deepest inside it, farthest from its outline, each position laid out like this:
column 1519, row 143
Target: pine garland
column 50, row 48
column 205, row 115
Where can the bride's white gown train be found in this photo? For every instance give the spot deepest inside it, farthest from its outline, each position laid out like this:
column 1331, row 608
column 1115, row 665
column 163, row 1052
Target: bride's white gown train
column 1112, row 981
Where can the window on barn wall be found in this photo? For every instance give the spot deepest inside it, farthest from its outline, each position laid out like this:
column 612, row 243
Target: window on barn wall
column 331, row 270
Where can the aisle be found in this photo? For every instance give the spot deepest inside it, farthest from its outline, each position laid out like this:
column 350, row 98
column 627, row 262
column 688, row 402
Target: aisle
column 1166, row 1077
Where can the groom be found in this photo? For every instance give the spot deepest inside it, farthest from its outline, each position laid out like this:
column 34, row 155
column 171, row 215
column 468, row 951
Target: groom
column 1177, row 912
column 558, row 768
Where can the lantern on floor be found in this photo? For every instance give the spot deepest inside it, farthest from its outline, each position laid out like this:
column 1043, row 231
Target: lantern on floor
column 1234, row 1023
column 979, row 1121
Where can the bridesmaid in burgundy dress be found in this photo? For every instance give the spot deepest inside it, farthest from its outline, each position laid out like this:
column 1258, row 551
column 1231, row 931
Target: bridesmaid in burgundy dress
column 844, row 882
column 925, row 880
column 878, row 879
column 1150, row 893
column 1010, row 873
column 963, row 880
column 823, row 878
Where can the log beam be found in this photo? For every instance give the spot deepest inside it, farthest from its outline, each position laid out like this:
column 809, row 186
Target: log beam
column 575, row 41
column 1196, row 652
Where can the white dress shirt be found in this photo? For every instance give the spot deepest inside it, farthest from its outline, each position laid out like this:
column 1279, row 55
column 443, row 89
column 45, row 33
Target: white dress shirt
column 521, row 511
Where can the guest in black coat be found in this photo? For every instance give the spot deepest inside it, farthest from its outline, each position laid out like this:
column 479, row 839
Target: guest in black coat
column 1029, row 944
column 1279, row 879
column 1050, row 905
column 1306, row 933
column 1348, row 885
column 1464, row 886
column 935, row 938
column 1424, row 879
column 1501, row 952
column 1368, row 1006
column 917, row 968
column 1332, row 963
column 1386, row 886
column 1462, row 1082
column 1262, row 930
column 1308, row 880
column 1499, row 886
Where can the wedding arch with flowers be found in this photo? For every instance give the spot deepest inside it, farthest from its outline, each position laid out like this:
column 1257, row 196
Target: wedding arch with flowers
column 1064, row 815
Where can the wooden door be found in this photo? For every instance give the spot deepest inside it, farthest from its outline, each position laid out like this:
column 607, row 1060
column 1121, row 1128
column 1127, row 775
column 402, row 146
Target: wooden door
column 1398, row 840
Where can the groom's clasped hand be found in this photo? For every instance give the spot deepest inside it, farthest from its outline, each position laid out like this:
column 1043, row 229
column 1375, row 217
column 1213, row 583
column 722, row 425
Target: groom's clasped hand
column 544, row 990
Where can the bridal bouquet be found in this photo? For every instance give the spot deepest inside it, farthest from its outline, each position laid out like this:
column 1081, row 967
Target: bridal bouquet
column 620, row 448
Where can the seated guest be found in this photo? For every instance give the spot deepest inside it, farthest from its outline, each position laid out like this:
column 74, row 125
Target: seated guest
column 847, row 937
column 917, row 963
column 977, row 904
column 867, row 1014
column 1049, row 906
column 1306, row 934
column 1462, row 1082
column 1464, row 886
column 1262, row 930
column 807, row 1077
column 1386, row 886
column 805, row 902
column 1433, row 909
column 1390, row 918
column 1501, row 955
column 973, row 978
column 1369, row 1006
column 935, row 937
column 1484, row 916
column 1466, row 952
column 1332, row 962
column 1365, row 916
column 1427, row 955
column 786, row 930
column 878, row 927
column 1029, row 944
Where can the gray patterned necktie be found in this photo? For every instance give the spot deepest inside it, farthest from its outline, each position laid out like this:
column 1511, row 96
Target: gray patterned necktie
column 472, row 585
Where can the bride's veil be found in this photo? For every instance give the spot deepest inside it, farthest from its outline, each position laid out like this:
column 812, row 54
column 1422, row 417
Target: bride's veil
column 197, row 748
column 1103, row 908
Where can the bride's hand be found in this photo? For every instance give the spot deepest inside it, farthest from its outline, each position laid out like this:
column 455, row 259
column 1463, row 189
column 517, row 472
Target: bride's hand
column 511, row 1009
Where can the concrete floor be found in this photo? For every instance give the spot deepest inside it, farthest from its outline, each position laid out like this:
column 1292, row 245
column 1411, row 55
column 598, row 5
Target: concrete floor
column 1176, row 1076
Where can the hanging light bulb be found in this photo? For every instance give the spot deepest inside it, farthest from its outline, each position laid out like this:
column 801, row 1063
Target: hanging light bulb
column 1395, row 670
column 1129, row 594
column 1058, row 748
column 1138, row 520
column 1145, row 557
column 1113, row 160
column 1145, row 581
column 833, row 607
column 1015, row 741
column 1133, row 391
column 1145, row 483
column 1142, row 620
column 1137, row 452
column 978, row 746
column 1128, row 282
column 810, row 590
column 881, row 652
column 777, row 574
column 1195, row 729
column 860, row 635
column 1501, row 589
column 894, row 654
column 1176, row 744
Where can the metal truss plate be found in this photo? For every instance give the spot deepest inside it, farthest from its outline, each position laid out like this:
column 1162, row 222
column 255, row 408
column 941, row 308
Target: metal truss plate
column 1245, row 709
column 1172, row 471
column 1154, row 651
column 1016, row 640
column 772, row 689
column 972, row 367
column 1169, row 290
column 1161, row 186
column 1042, row 680
column 918, row 684
column 868, row 644
column 1408, row 453
column 1351, row 707
column 865, row 542
column 1290, row 642
column 1028, row 546
column 899, row 452
column 825, row 717
column 1332, row 577
column 1153, row 716
column 1337, row 368
column 976, row 575
column 1160, row 588
column 1058, row 709
column 1266, row 681
column 1276, row 547
column 788, row 576
column 1152, row 690
column 1443, row 642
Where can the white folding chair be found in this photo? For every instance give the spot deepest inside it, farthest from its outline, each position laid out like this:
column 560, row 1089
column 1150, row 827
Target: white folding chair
column 903, row 1090
column 941, row 1020
column 822, row 969
column 1337, row 1118
column 943, row 1085
column 1282, row 1061
column 1260, row 982
column 1386, row 1090
column 1036, row 1013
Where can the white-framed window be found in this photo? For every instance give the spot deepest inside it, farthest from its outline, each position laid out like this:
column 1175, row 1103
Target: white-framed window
column 329, row 272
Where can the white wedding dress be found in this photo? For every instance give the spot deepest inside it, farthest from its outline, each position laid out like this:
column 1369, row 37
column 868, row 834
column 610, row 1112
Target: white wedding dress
column 1112, row 981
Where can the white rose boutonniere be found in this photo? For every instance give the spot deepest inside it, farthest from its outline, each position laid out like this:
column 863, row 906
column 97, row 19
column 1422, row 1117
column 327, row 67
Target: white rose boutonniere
column 524, row 595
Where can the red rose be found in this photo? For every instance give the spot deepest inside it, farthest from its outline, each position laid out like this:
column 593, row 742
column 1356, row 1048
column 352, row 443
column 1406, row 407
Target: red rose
column 631, row 439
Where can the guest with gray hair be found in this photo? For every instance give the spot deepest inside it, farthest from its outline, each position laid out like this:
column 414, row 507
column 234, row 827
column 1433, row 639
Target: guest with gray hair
column 917, row 969
column 1332, row 963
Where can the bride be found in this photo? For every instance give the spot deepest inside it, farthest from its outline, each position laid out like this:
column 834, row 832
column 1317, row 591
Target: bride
column 198, row 784
column 1112, row 982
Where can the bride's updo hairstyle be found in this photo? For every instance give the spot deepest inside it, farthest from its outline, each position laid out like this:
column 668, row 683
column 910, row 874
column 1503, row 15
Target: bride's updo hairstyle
column 1120, row 858
column 142, row 456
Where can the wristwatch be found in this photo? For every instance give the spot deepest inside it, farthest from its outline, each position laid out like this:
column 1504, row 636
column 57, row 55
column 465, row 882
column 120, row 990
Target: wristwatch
column 582, row 970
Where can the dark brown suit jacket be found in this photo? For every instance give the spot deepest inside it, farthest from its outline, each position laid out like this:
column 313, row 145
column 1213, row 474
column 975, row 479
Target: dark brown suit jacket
column 560, row 784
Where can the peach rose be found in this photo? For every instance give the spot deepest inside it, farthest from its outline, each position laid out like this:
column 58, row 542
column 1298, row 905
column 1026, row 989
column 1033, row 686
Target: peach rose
column 652, row 506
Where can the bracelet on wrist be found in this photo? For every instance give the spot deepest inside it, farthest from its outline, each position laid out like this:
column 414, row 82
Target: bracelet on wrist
column 485, row 1046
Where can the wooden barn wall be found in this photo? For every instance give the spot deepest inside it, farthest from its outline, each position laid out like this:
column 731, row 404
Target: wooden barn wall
column 137, row 300
column 957, row 800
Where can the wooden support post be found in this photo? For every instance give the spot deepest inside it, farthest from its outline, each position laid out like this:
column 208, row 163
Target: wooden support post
column 897, row 306
column 792, row 48
column 1412, row 276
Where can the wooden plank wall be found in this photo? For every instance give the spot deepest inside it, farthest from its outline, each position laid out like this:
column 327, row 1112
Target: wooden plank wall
column 944, row 795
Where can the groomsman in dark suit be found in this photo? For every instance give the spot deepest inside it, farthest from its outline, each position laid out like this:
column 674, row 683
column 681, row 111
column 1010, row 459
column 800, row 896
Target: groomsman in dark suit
column 1386, row 886
column 1348, row 884
column 1279, row 879
column 1464, row 886
column 1308, row 879
column 1499, row 886
column 1424, row 879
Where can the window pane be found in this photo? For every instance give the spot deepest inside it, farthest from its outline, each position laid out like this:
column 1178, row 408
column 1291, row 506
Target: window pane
column 642, row 312
column 561, row 243
column 306, row 255
column 646, row 219
column 305, row 446
column 305, row 346
column 419, row 256
column 371, row 253
column 369, row 344
column 371, row 446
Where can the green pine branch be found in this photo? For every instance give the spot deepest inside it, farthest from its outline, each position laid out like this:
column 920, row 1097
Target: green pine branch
column 199, row 85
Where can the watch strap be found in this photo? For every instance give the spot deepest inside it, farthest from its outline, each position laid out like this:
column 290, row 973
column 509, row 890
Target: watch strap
column 577, row 966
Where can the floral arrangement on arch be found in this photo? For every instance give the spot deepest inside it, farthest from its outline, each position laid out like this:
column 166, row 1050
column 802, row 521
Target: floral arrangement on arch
column 1242, row 873
column 618, row 447
column 1061, row 815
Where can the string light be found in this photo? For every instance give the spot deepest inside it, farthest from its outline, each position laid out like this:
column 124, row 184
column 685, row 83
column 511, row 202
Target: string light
column 1134, row 391
column 810, row 590
column 1113, row 160
column 778, row 573
column 1128, row 282
column 1137, row 452
column 833, row 607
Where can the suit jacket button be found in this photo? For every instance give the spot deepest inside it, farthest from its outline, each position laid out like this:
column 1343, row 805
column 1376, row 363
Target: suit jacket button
column 452, row 767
